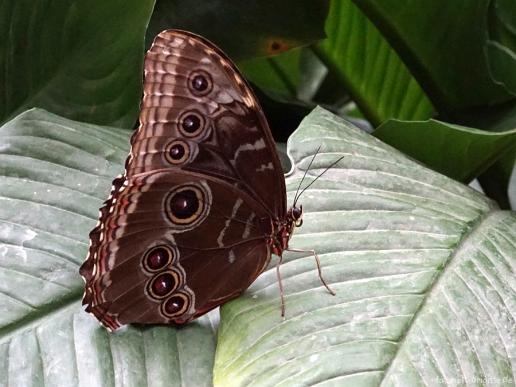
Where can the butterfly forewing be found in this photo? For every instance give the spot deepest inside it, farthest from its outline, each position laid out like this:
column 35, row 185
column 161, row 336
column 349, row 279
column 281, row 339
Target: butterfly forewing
column 199, row 114
column 186, row 228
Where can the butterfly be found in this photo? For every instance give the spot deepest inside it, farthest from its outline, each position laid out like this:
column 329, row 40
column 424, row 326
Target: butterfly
column 202, row 203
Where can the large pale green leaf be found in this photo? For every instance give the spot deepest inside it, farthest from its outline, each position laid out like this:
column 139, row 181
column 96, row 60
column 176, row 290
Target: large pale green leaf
column 54, row 175
column 368, row 67
column 423, row 268
column 79, row 59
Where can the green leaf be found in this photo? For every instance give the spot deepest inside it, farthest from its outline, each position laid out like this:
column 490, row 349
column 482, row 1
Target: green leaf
column 422, row 267
column 501, row 48
column 245, row 29
column 369, row 69
column 286, row 85
column 361, row 62
column 297, row 76
column 82, row 60
column 456, row 151
column 281, row 76
column 499, row 182
column 54, row 175
column 447, row 47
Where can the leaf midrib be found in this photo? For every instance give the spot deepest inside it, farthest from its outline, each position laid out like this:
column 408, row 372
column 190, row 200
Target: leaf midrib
column 451, row 262
column 45, row 312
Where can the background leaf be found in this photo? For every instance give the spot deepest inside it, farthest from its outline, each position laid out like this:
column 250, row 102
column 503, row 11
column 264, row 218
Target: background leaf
column 54, row 175
column 369, row 69
column 497, row 182
column 422, row 267
column 82, row 60
column 440, row 57
column 244, row 29
column 501, row 48
column 286, row 85
column 354, row 59
column 456, row 151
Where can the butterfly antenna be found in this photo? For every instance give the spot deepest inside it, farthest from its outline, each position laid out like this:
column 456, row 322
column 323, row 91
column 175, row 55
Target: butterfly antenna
column 322, row 173
column 306, row 171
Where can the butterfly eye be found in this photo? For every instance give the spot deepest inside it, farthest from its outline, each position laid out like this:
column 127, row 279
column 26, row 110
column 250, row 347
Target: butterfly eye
column 191, row 123
column 176, row 305
column 297, row 212
column 200, row 82
column 177, row 152
column 164, row 284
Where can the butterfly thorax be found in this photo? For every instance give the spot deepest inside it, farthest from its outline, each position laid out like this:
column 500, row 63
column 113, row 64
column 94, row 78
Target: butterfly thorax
column 284, row 229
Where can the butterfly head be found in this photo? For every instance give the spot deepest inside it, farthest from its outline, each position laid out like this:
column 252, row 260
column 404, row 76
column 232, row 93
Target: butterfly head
column 296, row 214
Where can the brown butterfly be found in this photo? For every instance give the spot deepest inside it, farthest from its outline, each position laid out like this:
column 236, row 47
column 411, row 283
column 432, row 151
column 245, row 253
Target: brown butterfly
column 202, row 204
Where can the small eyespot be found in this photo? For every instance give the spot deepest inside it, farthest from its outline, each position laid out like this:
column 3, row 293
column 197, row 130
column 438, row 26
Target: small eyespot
column 200, row 83
column 164, row 284
column 158, row 257
column 175, row 305
column 177, row 152
column 191, row 123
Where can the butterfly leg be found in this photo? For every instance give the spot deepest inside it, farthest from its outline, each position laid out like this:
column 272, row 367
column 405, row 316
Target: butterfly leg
column 318, row 262
column 280, row 284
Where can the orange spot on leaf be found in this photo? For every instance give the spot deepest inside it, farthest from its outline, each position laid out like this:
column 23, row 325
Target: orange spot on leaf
column 275, row 45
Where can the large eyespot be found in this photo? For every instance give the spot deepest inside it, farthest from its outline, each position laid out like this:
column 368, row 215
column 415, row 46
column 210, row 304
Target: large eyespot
column 187, row 204
column 199, row 82
column 191, row 123
column 177, row 152
column 175, row 305
column 162, row 285
column 159, row 257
